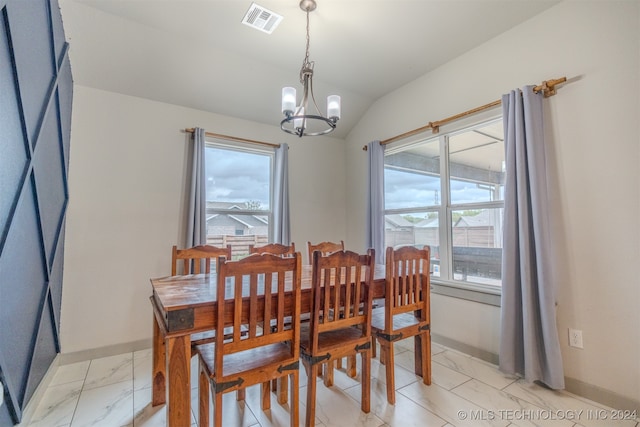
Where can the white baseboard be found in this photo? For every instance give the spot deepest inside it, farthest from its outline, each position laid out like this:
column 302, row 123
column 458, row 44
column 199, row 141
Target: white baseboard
column 572, row 385
column 110, row 350
column 601, row 395
column 485, row 355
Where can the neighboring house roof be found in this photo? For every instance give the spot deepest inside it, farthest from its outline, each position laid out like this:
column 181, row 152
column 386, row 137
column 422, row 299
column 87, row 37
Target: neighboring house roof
column 263, row 218
column 428, row 223
column 397, row 221
column 248, row 221
column 486, row 218
column 225, row 205
column 229, row 219
column 222, row 220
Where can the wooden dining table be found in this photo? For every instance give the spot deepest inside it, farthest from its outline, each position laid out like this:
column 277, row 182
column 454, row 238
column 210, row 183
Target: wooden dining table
column 183, row 305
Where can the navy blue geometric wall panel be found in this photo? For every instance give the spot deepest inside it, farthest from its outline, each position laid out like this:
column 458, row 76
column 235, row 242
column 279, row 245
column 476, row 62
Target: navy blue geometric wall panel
column 35, row 126
column 55, row 285
column 36, row 68
column 14, row 141
column 25, row 243
column 44, row 351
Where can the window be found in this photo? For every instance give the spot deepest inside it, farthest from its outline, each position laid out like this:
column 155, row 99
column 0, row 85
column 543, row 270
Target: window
column 239, row 196
column 447, row 191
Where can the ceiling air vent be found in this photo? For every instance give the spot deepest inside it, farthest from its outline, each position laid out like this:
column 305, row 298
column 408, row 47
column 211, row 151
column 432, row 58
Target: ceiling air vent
column 261, row 19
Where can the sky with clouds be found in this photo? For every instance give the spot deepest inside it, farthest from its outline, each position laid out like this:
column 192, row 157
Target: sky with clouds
column 405, row 189
column 236, row 176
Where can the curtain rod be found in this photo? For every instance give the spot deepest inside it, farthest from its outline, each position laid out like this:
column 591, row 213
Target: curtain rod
column 234, row 138
column 548, row 88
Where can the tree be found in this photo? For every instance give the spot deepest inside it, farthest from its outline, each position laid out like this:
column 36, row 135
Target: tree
column 252, row 205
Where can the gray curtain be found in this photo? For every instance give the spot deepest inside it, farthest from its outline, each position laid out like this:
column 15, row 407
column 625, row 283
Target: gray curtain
column 529, row 344
column 375, row 202
column 282, row 224
column 196, row 215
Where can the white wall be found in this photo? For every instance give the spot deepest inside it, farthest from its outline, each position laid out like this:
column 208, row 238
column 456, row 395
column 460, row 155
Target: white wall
column 594, row 142
column 127, row 191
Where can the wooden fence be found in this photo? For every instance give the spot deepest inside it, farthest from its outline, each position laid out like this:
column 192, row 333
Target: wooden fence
column 239, row 244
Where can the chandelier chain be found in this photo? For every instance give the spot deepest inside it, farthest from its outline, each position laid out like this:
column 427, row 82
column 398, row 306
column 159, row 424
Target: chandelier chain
column 307, row 66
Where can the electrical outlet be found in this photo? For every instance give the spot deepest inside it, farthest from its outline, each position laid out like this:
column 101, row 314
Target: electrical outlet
column 575, row 338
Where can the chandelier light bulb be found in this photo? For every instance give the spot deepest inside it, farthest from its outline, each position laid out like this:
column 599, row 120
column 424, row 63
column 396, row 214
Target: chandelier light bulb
column 288, row 100
column 333, row 107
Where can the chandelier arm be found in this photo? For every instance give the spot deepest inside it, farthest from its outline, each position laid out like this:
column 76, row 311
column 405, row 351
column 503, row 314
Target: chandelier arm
column 313, row 98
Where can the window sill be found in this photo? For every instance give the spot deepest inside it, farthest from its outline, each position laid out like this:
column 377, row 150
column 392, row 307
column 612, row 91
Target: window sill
column 483, row 294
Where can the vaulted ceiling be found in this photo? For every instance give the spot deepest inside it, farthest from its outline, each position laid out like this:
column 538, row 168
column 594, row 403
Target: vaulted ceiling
column 198, row 54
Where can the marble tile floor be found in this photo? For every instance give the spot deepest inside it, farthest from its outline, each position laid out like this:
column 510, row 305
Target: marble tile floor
column 116, row 391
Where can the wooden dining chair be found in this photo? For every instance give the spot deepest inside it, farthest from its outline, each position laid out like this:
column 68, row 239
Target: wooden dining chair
column 274, row 248
column 262, row 288
column 279, row 387
column 340, row 323
column 406, row 312
column 325, row 248
column 197, row 259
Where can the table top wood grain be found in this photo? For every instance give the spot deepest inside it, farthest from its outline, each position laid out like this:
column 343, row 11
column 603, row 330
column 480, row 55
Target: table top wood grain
column 193, row 290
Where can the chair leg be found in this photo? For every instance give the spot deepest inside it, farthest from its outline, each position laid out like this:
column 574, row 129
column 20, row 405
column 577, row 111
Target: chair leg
column 339, row 363
column 203, row 397
column 373, row 346
column 282, row 390
column 351, row 366
column 265, row 393
column 294, row 379
column 217, row 410
column 365, row 403
column 310, row 416
column 389, row 369
column 328, row 374
column 240, row 395
column 426, row 358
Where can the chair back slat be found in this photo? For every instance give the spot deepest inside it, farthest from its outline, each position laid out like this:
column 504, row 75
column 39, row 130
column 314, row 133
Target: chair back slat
column 268, row 309
column 259, row 286
column 197, row 259
column 325, row 248
column 281, row 301
column 341, row 294
column 407, row 274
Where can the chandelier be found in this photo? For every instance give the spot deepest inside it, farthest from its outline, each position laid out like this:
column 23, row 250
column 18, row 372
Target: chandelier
column 299, row 120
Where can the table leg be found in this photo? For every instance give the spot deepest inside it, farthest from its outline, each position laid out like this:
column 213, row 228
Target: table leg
column 417, row 346
column 159, row 368
column 179, row 367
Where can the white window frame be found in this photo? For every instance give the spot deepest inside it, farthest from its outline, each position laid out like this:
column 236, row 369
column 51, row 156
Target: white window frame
column 251, row 149
column 488, row 294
